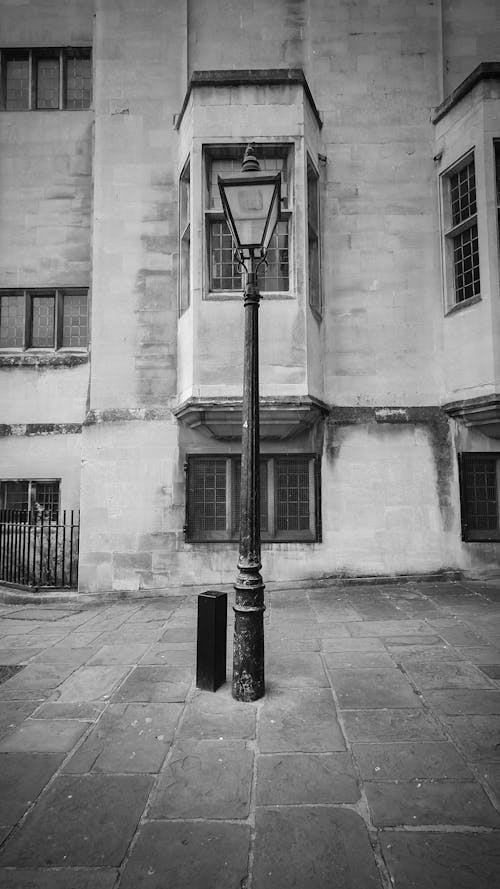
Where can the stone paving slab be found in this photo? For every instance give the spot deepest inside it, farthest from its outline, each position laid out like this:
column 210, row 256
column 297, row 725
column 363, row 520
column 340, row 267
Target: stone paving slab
column 22, row 777
column 13, row 713
column 447, row 675
column 369, row 689
column 461, row 701
column 129, row 738
column 85, row 821
column 410, row 760
column 390, row 725
column 156, row 685
column 306, row 779
column 91, row 684
column 296, row 669
column 425, row 802
column 17, row 655
column 48, row 878
column 217, row 716
column 478, row 736
column 312, row 848
column 443, row 860
column 86, row 710
column 299, row 720
column 188, row 855
column 44, row 736
column 205, row 779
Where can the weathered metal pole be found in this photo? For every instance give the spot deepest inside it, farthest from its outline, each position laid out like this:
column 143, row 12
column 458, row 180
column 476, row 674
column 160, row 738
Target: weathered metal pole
column 248, row 650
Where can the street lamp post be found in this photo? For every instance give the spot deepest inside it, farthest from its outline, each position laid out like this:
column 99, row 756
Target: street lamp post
column 251, row 204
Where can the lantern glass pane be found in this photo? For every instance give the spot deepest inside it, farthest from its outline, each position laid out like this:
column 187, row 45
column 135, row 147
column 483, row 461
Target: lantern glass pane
column 249, row 206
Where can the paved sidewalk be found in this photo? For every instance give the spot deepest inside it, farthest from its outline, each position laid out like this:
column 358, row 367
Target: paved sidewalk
column 372, row 762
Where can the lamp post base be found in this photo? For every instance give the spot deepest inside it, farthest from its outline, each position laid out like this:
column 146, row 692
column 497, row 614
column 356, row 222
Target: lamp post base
column 248, row 647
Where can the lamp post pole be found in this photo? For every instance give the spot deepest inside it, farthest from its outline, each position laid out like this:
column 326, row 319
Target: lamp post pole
column 251, row 204
column 248, row 648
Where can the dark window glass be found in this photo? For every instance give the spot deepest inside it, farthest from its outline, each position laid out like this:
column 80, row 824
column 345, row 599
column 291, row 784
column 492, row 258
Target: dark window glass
column 75, row 319
column 12, row 321
column 16, row 495
column 47, row 83
column 466, row 264
column 480, row 495
column 78, row 82
column 42, row 322
column 17, row 83
column 463, row 194
column 225, row 273
column 207, row 497
column 292, row 494
column 46, row 498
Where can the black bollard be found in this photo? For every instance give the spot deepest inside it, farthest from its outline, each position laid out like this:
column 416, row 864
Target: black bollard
column 211, row 640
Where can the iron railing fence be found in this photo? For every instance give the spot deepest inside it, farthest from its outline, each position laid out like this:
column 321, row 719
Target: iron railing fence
column 38, row 549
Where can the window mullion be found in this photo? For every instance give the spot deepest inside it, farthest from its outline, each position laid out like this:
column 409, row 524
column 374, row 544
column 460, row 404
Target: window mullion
column 229, row 500
column 271, row 511
column 61, row 76
column 27, row 319
column 312, row 499
column 31, row 85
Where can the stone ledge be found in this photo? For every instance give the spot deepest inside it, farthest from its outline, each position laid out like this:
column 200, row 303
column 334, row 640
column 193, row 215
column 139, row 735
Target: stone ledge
column 20, row 429
column 484, row 71
column 280, row 419
column 43, row 359
column 482, row 413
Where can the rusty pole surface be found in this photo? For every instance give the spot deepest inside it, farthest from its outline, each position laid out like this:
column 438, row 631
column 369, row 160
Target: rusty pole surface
column 248, row 650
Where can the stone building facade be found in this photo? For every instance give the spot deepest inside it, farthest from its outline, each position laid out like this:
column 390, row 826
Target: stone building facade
column 120, row 304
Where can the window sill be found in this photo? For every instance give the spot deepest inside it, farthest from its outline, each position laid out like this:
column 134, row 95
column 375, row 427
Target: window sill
column 223, row 295
column 462, row 305
column 43, row 358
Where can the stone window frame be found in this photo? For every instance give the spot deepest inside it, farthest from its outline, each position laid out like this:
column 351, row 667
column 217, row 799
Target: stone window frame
column 185, row 237
column 314, row 277
column 32, row 56
column 226, row 468
column 24, row 340
column 235, row 150
column 454, row 231
column 473, row 465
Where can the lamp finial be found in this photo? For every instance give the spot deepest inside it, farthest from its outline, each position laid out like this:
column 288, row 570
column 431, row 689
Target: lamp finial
column 250, row 162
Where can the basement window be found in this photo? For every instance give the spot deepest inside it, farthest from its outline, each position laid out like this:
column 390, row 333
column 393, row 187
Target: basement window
column 289, row 497
column 44, row 319
column 46, row 79
column 25, row 495
column 479, row 486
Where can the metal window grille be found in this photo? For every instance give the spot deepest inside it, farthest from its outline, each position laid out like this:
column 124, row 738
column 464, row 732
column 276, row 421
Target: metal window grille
column 289, row 498
column 78, row 82
column 466, row 264
column 236, row 497
column 292, row 494
column 463, row 194
column 11, row 321
column 17, row 78
column 26, row 494
column 47, row 82
column 16, row 495
column 207, row 497
column 44, row 319
column 479, row 496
